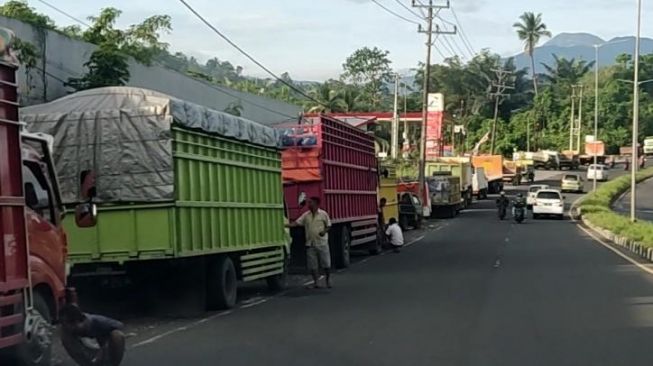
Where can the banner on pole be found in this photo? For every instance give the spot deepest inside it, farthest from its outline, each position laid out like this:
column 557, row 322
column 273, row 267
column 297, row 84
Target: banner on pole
column 434, row 119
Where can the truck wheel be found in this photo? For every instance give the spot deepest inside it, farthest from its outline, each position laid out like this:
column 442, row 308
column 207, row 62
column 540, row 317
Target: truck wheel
column 418, row 222
column 37, row 350
column 222, row 284
column 403, row 222
column 279, row 282
column 343, row 246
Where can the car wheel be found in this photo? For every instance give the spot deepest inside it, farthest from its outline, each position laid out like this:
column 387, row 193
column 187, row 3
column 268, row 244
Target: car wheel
column 536, row 216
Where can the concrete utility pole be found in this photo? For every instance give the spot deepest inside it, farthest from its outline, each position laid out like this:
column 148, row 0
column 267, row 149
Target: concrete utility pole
column 427, row 72
column 394, row 139
column 573, row 117
column 580, row 118
column 596, row 107
column 633, row 163
column 499, row 93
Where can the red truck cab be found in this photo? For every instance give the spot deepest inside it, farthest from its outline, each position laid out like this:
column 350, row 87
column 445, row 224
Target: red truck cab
column 33, row 250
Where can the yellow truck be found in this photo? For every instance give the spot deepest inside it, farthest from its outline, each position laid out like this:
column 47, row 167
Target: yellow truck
column 387, row 192
column 459, row 167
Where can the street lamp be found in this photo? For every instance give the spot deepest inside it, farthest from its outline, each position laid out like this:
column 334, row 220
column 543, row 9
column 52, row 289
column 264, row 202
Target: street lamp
column 596, row 96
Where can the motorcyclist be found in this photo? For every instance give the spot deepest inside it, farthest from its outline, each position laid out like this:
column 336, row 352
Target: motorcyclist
column 520, row 201
column 503, row 201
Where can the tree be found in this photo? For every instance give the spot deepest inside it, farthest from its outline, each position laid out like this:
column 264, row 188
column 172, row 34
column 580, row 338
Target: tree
column 329, row 99
column 22, row 11
column 530, row 30
column 370, row 69
column 565, row 71
column 106, row 67
column 140, row 41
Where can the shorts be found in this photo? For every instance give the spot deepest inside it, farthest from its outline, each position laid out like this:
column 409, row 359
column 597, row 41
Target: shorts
column 318, row 257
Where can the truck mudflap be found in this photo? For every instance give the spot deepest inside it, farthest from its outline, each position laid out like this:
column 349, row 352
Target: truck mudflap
column 11, row 319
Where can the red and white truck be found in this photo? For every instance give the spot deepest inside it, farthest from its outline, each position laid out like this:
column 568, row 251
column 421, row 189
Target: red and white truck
column 326, row 158
column 33, row 245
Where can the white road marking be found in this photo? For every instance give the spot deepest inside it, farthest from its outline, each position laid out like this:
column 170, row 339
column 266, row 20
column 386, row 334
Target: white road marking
column 617, row 252
column 497, row 263
column 480, row 210
column 180, row 329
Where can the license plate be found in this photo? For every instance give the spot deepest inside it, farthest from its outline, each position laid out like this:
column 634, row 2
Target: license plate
column 547, row 204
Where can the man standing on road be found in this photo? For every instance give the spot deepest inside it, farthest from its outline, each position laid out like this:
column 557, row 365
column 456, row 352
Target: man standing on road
column 316, row 223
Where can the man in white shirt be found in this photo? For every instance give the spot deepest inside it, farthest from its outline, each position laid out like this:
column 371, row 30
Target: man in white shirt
column 316, row 223
column 394, row 234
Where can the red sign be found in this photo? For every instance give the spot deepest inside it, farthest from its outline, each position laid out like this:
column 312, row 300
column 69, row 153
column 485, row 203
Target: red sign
column 434, row 119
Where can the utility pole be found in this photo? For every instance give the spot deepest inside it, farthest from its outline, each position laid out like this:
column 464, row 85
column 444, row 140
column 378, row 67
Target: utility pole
column 634, row 159
column 499, row 93
column 573, row 117
column 427, row 73
column 580, row 119
column 394, row 139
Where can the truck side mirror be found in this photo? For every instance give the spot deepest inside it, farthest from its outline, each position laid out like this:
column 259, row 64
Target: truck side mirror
column 86, row 214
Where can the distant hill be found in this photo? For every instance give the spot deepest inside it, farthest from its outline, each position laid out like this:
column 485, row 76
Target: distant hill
column 581, row 46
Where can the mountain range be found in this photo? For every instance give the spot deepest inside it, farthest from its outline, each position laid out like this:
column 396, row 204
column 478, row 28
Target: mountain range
column 581, row 46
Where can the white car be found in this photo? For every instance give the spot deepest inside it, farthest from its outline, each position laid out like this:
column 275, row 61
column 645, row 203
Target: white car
column 532, row 191
column 549, row 202
column 598, row 171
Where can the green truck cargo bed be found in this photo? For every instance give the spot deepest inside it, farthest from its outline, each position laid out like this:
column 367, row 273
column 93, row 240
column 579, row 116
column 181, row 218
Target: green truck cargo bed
column 228, row 198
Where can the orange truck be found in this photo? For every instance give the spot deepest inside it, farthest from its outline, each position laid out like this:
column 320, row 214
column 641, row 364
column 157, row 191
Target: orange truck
column 33, row 247
column 592, row 149
column 493, row 165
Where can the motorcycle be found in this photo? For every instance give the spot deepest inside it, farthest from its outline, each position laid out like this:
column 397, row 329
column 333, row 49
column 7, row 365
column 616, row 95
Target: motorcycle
column 518, row 214
column 502, row 212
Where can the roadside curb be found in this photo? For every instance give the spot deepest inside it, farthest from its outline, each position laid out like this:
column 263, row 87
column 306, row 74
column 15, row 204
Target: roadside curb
column 622, row 241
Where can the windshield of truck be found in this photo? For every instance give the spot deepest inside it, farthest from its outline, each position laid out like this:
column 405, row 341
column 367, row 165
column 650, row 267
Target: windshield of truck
column 548, row 195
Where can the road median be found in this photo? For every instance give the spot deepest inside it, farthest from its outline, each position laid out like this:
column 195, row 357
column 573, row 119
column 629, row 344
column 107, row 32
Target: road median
column 595, row 211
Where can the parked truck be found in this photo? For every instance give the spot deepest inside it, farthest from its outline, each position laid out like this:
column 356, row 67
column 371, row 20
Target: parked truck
column 444, row 192
column 593, row 149
column 458, row 167
column 512, row 172
column 388, row 193
column 493, row 167
column 33, row 244
column 181, row 191
column 336, row 162
column 648, row 145
column 479, row 183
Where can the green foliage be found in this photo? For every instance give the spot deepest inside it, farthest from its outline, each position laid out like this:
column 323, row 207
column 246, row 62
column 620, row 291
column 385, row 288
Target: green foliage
column 106, row 67
column 595, row 207
column 140, row 41
column 19, row 9
column 369, row 68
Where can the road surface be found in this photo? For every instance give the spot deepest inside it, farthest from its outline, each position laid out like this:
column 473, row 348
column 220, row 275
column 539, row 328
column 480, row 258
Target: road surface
column 644, row 207
column 473, row 291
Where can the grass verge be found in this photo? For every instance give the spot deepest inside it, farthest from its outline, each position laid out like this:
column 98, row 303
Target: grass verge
column 596, row 207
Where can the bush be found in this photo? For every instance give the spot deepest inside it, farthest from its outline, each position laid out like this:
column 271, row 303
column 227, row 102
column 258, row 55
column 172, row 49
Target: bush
column 595, row 207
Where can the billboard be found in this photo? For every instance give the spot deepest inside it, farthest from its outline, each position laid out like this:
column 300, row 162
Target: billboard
column 434, row 119
column 596, row 148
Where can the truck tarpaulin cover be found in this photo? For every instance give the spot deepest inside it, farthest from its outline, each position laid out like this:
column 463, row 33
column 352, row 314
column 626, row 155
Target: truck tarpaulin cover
column 123, row 135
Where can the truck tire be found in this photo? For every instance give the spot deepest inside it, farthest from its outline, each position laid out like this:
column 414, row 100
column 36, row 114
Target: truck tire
column 37, row 350
column 279, row 282
column 403, row 222
column 418, row 222
column 222, row 284
column 376, row 246
column 342, row 247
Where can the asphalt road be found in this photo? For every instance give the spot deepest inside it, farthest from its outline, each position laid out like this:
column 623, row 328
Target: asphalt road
column 473, row 291
column 644, row 197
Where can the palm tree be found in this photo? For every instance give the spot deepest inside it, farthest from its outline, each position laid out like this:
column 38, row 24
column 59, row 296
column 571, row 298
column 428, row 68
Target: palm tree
column 567, row 71
column 530, row 30
column 329, row 100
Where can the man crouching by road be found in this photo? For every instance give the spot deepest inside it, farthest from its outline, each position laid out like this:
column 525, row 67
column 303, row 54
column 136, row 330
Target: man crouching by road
column 76, row 325
column 316, row 223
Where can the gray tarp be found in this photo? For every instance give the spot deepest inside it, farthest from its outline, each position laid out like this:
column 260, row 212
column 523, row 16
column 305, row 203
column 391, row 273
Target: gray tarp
column 123, row 135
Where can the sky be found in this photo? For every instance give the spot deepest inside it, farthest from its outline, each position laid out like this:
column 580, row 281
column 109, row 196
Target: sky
column 311, row 39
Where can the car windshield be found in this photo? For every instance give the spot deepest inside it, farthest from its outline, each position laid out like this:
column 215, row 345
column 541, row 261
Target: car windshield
column 548, row 195
column 571, row 177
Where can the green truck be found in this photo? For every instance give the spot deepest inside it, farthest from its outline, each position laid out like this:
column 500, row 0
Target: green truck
column 179, row 190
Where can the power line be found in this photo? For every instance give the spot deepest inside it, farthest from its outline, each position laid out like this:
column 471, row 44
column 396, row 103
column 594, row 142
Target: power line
column 251, row 58
column 459, row 49
column 64, row 13
column 389, row 11
column 409, row 9
column 464, row 37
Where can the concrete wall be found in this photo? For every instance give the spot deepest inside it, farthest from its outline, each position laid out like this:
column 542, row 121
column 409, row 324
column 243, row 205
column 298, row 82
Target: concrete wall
column 63, row 58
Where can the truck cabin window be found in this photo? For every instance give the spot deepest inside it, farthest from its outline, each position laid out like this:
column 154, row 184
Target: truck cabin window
column 37, row 192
